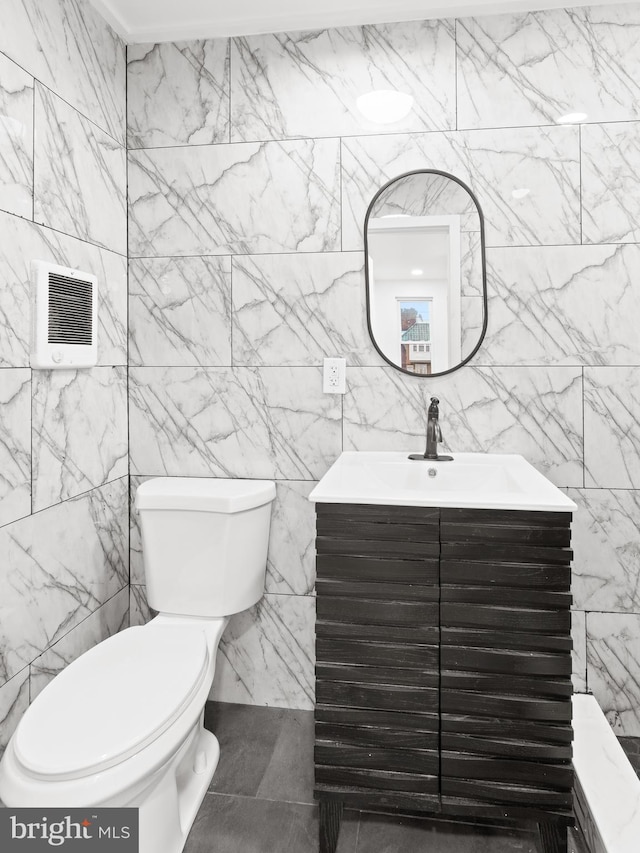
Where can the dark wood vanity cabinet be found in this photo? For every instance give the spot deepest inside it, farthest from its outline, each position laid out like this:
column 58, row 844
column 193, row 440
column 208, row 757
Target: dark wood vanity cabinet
column 443, row 674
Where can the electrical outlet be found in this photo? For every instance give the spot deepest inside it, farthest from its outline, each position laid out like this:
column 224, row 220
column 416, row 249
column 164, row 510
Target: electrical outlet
column 334, row 375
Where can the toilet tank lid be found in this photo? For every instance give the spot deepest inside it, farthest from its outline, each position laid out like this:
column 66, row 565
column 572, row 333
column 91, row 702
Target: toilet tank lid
column 204, row 494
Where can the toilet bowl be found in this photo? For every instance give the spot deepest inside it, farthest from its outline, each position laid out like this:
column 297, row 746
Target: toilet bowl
column 123, row 724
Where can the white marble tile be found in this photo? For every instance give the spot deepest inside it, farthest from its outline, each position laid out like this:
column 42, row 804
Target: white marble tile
column 291, row 562
column 57, row 567
column 107, row 620
column 611, row 428
column 534, row 67
column 79, row 175
column 266, row 656
column 562, row 305
column 579, row 654
column 23, row 242
column 178, row 93
column 307, row 83
column 471, row 323
column 246, row 422
column 536, row 412
column 139, row 611
column 180, row 311
column 79, row 436
column 15, row 444
column 613, row 668
column 67, row 45
column 493, row 163
column 136, row 566
column 235, row 199
column 610, row 183
column 16, row 139
column 14, row 701
column 299, row 309
column 605, row 543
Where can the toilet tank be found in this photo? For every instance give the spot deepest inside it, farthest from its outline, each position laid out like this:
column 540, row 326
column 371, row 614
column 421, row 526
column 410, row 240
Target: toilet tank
column 204, row 543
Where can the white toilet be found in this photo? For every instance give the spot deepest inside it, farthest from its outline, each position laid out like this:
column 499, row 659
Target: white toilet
column 122, row 724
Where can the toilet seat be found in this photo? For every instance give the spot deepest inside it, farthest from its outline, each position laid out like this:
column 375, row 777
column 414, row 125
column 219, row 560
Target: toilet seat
column 112, row 701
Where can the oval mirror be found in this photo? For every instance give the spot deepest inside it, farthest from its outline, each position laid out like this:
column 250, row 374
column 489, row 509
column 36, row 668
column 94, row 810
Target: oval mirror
column 425, row 272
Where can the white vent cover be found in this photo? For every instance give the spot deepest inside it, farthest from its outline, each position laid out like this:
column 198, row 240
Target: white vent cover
column 65, row 313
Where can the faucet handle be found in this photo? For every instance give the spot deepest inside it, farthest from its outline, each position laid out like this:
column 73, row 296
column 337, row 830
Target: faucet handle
column 438, row 431
column 433, row 408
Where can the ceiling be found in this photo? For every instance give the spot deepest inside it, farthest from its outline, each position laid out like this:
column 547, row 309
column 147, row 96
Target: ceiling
column 139, row 21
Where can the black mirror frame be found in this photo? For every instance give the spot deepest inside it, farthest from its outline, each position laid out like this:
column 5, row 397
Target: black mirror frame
column 484, row 271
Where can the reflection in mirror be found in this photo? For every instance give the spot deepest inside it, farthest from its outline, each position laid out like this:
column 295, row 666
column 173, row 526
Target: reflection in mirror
column 426, row 289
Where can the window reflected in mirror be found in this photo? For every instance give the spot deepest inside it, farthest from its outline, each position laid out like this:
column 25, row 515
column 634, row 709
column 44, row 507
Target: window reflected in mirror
column 426, row 297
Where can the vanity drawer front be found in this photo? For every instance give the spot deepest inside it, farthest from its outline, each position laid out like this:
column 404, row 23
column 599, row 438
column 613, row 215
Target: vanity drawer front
column 455, row 743
column 407, row 634
column 377, row 547
column 371, row 611
column 366, row 782
column 490, row 534
column 514, row 730
column 423, row 700
column 368, row 590
column 545, row 577
column 468, row 615
column 423, row 515
column 505, row 552
column 482, row 791
column 505, row 661
column 400, row 721
column 494, row 769
column 376, row 736
column 423, row 762
column 409, row 677
column 514, row 685
column 502, row 705
column 368, row 654
column 349, row 528
column 378, row 570
column 509, row 518
column 495, row 638
column 513, row 597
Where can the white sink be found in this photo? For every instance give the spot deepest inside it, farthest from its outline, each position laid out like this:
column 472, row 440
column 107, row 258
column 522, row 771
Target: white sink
column 471, row 480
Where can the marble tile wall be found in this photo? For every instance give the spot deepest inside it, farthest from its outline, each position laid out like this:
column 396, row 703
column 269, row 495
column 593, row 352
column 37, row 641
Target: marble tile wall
column 64, row 562
column 250, row 173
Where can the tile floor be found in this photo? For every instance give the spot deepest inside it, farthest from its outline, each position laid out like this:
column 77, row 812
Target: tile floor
column 261, row 799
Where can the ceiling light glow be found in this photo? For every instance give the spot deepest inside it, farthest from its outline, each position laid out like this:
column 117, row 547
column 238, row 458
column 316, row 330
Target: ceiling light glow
column 385, row 106
column 417, row 272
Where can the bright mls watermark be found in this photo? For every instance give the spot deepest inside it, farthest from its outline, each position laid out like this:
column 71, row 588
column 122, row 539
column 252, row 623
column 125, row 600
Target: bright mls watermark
column 70, row 830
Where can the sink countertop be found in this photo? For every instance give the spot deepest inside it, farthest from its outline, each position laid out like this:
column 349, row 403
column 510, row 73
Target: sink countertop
column 470, row 481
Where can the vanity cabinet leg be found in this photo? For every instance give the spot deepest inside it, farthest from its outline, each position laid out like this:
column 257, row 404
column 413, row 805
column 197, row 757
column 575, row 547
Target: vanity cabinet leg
column 330, row 814
column 553, row 836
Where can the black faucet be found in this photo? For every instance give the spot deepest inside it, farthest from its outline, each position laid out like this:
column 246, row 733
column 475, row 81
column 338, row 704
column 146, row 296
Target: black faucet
column 434, row 435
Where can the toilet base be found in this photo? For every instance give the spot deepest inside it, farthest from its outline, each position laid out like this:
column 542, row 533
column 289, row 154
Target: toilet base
column 167, row 813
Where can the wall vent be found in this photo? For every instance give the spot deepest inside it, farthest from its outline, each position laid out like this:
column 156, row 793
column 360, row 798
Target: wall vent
column 65, row 312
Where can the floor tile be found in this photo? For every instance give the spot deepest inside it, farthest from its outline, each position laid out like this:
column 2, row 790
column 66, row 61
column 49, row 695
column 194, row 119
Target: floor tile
column 227, row 824
column 391, row 834
column 289, row 774
column 248, row 735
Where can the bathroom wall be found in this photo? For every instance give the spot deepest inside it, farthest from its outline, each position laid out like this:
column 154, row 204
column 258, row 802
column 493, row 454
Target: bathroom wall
column 63, row 434
column 249, row 175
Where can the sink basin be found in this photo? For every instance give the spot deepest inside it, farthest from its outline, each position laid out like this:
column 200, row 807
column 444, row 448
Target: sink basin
column 471, row 480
